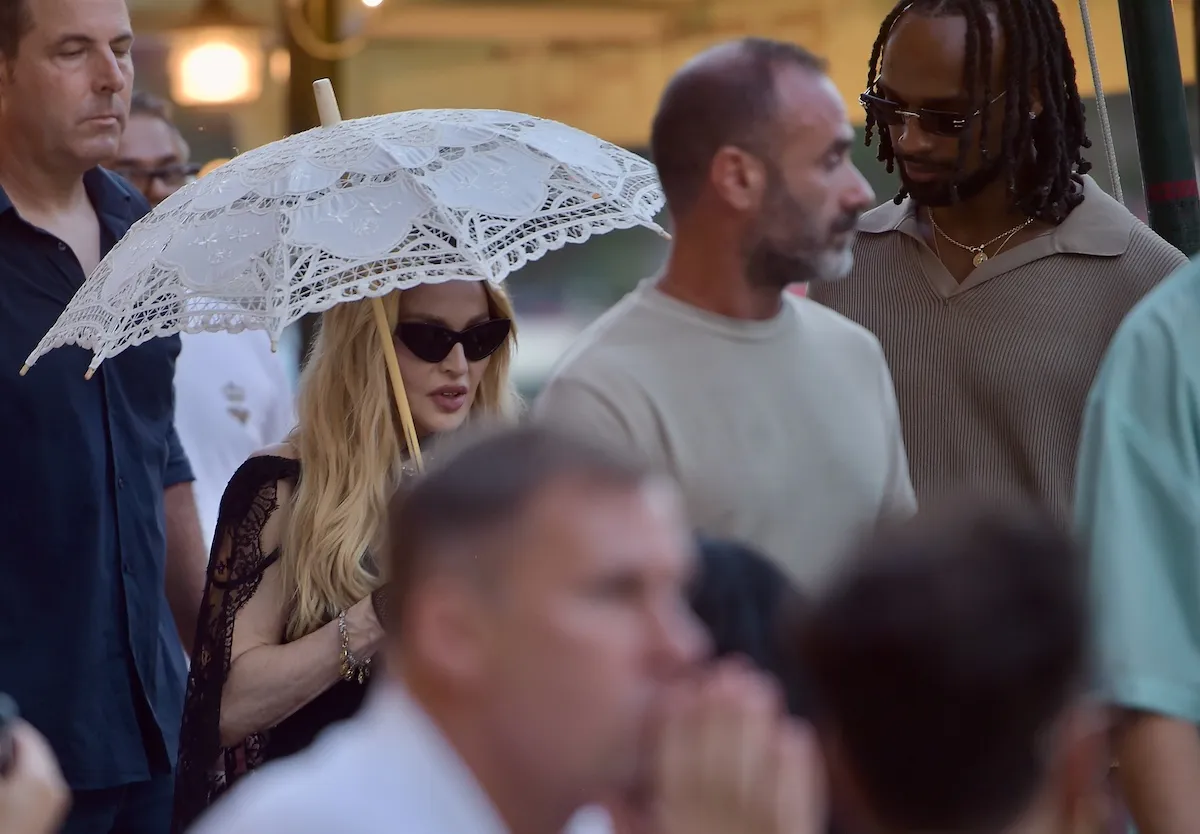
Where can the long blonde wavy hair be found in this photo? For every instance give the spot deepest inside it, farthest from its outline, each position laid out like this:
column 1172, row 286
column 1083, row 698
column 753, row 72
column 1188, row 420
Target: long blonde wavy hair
column 350, row 445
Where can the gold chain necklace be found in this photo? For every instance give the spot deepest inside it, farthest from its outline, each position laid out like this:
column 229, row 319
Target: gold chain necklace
column 978, row 251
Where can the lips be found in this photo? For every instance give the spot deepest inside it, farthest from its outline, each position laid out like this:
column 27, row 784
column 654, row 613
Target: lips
column 917, row 172
column 449, row 398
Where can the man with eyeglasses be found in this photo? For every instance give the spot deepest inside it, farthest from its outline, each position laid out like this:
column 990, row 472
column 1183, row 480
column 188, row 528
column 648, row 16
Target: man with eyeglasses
column 154, row 154
column 233, row 395
column 997, row 276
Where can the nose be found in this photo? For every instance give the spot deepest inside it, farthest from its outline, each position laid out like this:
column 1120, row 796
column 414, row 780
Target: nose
column 455, row 362
column 157, row 191
column 109, row 74
column 681, row 640
column 860, row 196
column 912, row 139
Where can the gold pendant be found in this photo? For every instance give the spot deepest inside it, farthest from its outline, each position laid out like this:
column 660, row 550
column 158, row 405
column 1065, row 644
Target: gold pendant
column 980, row 257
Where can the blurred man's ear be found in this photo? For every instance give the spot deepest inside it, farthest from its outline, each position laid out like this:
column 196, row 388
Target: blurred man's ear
column 446, row 629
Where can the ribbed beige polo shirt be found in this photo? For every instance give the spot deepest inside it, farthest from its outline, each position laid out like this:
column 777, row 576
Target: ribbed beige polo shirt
column 992, row 375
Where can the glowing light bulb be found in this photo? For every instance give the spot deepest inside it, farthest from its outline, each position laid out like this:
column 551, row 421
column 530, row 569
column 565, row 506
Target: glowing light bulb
column 216, row 67
column 371, row 4
column 216, row 72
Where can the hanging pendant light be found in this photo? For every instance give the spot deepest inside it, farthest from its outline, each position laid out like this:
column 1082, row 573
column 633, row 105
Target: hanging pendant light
column 216, row 57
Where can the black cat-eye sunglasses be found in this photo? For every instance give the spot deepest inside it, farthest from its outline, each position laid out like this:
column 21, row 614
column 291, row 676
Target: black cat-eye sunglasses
column 432, row 342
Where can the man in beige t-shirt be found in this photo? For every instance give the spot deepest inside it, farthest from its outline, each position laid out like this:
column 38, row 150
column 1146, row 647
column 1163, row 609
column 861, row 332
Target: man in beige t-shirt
column 776, row 415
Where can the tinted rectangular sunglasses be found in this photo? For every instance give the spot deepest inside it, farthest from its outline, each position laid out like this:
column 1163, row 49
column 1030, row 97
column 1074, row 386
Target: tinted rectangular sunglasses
column 172, row 176
column 937, row 122
column 432, row 342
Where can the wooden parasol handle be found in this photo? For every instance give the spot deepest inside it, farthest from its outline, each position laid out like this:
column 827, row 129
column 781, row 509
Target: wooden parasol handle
column 331, row 115
column 393, row 365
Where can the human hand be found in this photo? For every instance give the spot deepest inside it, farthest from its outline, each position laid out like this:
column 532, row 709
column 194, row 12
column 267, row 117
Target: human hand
column 731, row 762
column 363, row 628
column 34, row 798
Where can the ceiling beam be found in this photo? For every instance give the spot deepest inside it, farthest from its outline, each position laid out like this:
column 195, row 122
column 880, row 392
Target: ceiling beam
column 529, row 24
column 526, row 24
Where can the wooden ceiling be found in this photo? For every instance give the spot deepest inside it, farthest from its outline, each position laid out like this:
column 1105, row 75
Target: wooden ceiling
column 600, row 64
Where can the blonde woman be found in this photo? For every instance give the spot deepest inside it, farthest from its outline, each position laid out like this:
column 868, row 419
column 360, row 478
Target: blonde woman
column 293, row 605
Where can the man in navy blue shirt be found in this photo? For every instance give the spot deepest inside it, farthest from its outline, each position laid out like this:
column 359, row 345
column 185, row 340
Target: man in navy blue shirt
column 98, row 526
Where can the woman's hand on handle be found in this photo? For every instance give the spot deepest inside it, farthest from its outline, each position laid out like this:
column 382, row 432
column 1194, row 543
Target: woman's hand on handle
column 363, row 628
column 269, row 680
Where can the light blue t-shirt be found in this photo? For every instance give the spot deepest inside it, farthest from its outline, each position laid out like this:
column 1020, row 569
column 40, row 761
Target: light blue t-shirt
column 1138, row 503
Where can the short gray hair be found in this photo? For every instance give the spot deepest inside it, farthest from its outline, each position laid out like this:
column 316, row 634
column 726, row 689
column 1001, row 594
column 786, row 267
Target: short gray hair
column 486, row 484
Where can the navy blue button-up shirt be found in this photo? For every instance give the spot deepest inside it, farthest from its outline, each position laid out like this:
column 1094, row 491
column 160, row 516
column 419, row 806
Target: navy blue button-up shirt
column 88, row 647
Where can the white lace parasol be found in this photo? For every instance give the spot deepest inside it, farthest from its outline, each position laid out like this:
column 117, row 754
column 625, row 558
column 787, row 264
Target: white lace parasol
column 355, row 209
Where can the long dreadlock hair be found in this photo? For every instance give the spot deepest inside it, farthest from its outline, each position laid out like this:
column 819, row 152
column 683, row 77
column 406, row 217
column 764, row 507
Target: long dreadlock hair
column 1037, row 48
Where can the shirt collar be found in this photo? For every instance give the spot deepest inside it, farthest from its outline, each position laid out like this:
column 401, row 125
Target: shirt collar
column 1099, row 226
column 405, row 726
column 402, row 724
column 115, row 201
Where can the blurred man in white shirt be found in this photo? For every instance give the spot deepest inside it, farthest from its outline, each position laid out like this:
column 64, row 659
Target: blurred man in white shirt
column 539, row 618
column 232, row 392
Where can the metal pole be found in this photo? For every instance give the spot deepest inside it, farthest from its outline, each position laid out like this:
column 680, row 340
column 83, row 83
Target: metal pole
column 1196, row 47
column 302, row 105
column 1161, row 119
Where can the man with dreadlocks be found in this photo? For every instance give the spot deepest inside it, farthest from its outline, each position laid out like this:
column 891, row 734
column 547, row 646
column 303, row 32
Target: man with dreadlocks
column 996, row 277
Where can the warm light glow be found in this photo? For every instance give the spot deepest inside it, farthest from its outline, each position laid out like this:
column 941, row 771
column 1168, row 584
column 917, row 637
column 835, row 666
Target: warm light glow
column 210, row 166
column 370, row 4
column 280, row 65
column 216, row 66
column 215, row 72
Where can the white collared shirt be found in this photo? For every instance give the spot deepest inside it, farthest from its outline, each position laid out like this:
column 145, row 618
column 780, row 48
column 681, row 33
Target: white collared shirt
column 388, row 770
column 232, row 398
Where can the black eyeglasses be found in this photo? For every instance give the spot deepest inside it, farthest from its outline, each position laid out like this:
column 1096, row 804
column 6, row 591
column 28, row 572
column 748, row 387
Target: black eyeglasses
column 432, row 343
column 172, row 176
column 937, row 122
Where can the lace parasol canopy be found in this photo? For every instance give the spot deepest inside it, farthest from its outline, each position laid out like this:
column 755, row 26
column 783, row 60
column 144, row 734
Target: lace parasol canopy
column 353, row 210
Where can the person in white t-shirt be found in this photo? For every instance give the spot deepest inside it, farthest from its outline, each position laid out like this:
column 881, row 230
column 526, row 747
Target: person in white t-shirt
column 777, row 416
column 232, row 398
column 232, row 392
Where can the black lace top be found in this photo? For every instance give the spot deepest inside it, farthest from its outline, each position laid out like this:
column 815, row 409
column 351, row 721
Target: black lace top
column 206, row 769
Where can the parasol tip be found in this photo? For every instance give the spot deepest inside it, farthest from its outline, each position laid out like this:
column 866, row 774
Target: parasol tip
column 89, row 373
column 24, row 370
column 657, row 229
column 327, row 106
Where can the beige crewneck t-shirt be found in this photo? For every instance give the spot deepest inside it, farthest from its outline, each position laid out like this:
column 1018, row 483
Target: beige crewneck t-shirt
column 784, row 434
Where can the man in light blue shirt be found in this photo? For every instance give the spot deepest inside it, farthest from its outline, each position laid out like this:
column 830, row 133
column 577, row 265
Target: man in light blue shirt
column 1138, row 506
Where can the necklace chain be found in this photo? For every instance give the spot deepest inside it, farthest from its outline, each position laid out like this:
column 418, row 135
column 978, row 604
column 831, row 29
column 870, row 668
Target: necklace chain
column 978, row 251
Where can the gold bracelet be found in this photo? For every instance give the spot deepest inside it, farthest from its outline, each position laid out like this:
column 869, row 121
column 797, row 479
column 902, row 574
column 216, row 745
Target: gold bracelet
column 352, row 667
